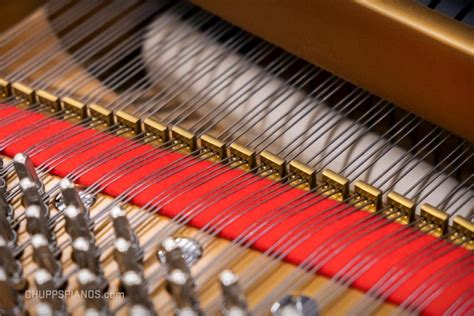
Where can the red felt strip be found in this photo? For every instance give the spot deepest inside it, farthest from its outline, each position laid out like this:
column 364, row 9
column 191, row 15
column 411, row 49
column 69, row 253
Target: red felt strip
column 310, row 217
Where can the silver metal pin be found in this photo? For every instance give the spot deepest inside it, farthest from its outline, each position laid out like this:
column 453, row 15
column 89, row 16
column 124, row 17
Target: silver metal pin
column 136, row 291
column 44, row 309
column 140, row 310
column 87, row 256
column 181, row 287
column 76, row 223
column 46, row 260
column 88, row 282
column 46, row 285
column 26, row 170
column 123, row 230
column 172, row 255
column 6, row 230
column 32, row 195
column 36, row 223
column 124, row 256
column 11, row 303
column 5, row 208
column 71, row 197
column 11, row 266
column 233, row 300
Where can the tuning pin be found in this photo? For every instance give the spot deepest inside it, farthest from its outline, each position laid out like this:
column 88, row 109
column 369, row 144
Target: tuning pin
column 233, row 300
column 11, row 303
column 32, row 196
column 140, row 310
column 37, row 223
column 94, row 312
column 181, row 287
column 6, row 230
column 71, row 197
column 171, row 254
column 11, row 266
column 123, row 230
column 25, row 170
column 44, row 309
column 5, row 208
column 89, row 283
column 299, row 305
column 137, row 294
column 76, row 223
column 47, row 288
column 45, row 259
column 124, row 256
column 86, row 255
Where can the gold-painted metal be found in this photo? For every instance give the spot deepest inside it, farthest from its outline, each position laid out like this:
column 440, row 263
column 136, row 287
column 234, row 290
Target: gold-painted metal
column 25, row 93
column 213, row 145
column 185, row 137
column 433, row 220
column 128, row 120
column 400, row 208
column 99, row 113
column 49, row 100
column 367, row 197
column 334, row 185
column 73, row 106
column 5, row 88
column 301, row 175
column 365, row 40
column 240, row 153
column 156, row 130
column 462, row 232
column 271, row 163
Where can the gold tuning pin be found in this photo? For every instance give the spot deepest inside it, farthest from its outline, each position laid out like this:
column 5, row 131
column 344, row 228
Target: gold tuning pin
column 184, row 137
column 301, row 175
column 73, row 106
column 367, row 197
column 271, row 163
column 400, row 208
column 101, row 114
column 462, row 232
column 5, row 88
column 156, row 130
column 433, row 220
column 48, row 100
column 25, row 93
column 128, row 120
column 213, row 146
column 240, row 153
column 334, row 185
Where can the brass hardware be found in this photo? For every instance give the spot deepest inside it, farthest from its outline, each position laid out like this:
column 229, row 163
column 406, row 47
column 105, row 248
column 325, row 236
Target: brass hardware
column 462, row 232
column 49, row 100
column 334, row 185
column 433, row 220
column 156, row 129
column 73, row 106
column 271, row 162
column 183, row 136
column 5, row 88
column 302, row 175
column 367, row 196
column 20, row 91
column 241, row 153
column 101, row 114
column 401, row 209
column 213, row 145
column 128, row 120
